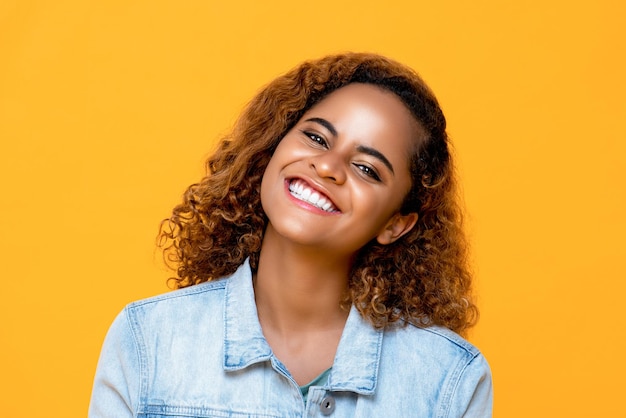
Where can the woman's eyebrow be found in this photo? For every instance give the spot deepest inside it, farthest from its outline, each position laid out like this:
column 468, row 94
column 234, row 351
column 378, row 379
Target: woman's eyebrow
column 326, row 124
column 361, row 148
column 376, row 154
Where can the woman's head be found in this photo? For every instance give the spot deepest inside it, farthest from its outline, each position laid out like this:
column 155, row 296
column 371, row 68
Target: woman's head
column 421, row 277
column 339, row 177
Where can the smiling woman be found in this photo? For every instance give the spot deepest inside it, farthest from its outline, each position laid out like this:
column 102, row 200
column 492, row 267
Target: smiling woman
column 321, row 263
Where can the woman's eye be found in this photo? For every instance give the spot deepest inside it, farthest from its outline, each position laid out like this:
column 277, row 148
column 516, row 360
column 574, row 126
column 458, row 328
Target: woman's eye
column 316, row 138
column 368, row 171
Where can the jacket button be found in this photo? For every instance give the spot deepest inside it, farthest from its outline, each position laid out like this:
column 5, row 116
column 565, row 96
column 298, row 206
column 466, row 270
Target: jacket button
column 328, row 405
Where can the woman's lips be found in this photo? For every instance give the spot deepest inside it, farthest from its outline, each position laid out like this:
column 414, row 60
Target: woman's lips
column 302, row 191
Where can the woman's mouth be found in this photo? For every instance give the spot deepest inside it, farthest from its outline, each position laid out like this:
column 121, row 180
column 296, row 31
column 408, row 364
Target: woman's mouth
column 301, row 191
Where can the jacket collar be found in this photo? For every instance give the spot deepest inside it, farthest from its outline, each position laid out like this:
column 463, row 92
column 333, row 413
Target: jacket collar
column 356, row 363
column 358, row 355
column 244, row 343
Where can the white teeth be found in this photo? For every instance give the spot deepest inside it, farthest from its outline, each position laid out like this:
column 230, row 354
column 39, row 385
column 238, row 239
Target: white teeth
column 301, row 192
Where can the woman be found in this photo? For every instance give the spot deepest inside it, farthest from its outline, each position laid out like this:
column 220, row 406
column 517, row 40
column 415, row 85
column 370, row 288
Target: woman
column 321, row 262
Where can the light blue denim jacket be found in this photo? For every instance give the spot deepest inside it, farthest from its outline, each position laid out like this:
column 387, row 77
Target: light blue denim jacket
column 200, row 352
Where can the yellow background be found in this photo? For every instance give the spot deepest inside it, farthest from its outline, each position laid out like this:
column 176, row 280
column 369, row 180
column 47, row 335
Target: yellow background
column 108, row 109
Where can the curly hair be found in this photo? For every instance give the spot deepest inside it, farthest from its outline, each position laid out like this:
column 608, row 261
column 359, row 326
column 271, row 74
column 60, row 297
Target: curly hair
column 422, row 278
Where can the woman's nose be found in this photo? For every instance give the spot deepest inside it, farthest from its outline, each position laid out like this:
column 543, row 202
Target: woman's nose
column 330, row 167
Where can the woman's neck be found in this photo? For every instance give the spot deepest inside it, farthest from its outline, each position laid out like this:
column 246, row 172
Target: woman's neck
column 299, row 288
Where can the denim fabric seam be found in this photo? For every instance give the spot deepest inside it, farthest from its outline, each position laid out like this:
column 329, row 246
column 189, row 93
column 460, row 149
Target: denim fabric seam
column 140, row 346
column 453, row 382
column 450, row 336
column 204, row 287
column 193, row 411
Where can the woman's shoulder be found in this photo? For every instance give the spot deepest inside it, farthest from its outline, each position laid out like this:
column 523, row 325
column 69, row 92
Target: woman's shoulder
column 184, row 295
column 434, row 353
column 447, row 337
column 181, row 308
column 434, row 365
column 433, row 340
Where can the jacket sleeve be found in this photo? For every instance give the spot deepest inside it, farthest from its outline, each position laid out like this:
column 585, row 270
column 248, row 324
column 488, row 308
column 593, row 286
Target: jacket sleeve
column 473, row 397
column 116, row 385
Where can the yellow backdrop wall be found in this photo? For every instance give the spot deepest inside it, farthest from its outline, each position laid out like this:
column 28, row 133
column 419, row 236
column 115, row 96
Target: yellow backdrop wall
column 108, row 109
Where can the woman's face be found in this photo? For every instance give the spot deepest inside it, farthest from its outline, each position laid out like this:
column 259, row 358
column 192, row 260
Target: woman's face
column 339, row 176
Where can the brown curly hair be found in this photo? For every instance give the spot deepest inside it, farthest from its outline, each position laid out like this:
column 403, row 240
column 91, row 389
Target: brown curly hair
column 422, row 278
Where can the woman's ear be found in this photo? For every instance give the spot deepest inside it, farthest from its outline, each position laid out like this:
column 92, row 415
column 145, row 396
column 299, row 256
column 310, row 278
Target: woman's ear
column 396, row 227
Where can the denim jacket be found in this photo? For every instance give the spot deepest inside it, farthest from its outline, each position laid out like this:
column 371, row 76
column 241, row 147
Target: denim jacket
column 200, row 352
